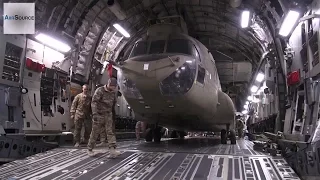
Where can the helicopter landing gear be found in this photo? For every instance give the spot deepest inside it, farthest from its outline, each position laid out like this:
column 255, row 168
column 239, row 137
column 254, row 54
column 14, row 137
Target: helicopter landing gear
column 231, row 134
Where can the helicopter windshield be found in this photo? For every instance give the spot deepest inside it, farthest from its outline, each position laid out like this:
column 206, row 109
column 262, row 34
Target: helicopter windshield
column 175, row 46
column 140, row 48
column 181, row 46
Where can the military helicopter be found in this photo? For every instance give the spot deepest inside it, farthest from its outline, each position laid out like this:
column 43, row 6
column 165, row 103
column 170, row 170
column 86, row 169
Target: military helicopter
column 170, row 79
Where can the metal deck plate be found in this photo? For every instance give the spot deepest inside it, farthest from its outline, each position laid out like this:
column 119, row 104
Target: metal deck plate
column 168, row 160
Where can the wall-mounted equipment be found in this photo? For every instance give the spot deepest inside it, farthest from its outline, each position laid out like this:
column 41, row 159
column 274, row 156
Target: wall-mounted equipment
column 314, row 47
column 11, row 65
column 293, row 78
column 35, row 65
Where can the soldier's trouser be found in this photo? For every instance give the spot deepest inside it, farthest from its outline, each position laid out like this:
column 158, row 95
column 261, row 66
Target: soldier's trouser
column 138, row 133
column 78, row 126
column 103, row 134
column 240, row 133
column 103, row 122
column 140, row 127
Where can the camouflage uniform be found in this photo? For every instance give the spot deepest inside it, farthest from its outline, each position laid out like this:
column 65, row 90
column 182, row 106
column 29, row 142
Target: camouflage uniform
column 102, row 102
column 240, row 127
column 80, row 112
column 103, row 134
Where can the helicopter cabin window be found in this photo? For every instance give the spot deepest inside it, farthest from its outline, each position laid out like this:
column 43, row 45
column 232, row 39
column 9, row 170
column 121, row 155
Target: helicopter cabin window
column 140, row 48
column 157, row 47
column 180, row 46
column 201, row 74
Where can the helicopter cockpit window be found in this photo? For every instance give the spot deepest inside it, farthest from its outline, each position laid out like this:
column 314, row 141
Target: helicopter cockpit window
column 201, row 74
column 157, row 47
column 180, row 46
column 140, row 48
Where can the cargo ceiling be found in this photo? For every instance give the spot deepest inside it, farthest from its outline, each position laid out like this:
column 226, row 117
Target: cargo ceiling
column 87, row 25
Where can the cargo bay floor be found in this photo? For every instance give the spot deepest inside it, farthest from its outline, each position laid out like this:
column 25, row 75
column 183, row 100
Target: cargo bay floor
column 191, row 158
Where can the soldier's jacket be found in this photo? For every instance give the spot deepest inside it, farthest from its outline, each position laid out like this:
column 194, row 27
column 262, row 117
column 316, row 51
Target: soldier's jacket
column 81, row 106
column 240, row 124
column 103, row 101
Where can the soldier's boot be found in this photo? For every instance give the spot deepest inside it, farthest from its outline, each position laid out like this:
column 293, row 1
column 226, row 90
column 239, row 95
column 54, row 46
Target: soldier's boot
column 102, row 144
column 77, row 144
column 90, row 153
column 104, row 150
column 114, row 153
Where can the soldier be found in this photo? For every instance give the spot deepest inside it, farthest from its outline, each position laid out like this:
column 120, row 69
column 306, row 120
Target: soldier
column 80, row 114
column 138, row 129
column 103, row 101
column 240, row 127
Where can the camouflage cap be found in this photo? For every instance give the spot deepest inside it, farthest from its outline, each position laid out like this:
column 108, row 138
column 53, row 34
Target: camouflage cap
column 113, row 82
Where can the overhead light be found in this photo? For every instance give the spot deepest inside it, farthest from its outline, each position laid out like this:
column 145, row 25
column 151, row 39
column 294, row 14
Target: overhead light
column 249, row 98
column 121, row 30
column 183, row 68
column 245, row 17
column 256, row 100
column 254, row 89
column 289, row 21
column 247, row 102
column 245, row 106
column 51, row 42
column 189, row 62
column 244, row 112
column 260, row 77
column 66, row 133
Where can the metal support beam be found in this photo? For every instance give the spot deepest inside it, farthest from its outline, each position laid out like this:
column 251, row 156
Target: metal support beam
column 312, row 16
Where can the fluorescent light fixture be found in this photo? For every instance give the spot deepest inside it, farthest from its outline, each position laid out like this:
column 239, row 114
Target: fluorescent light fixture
column 121, row 30
column 254, row 89
column 245, row 17
column 289, row 22
column 244, row 112
column 66, row 133
column 249, row 98
column 51, row 42
column 245, row 106
column 260, row 77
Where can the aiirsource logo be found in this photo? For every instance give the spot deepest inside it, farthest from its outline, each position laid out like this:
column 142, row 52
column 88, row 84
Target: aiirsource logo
column 18, row 18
